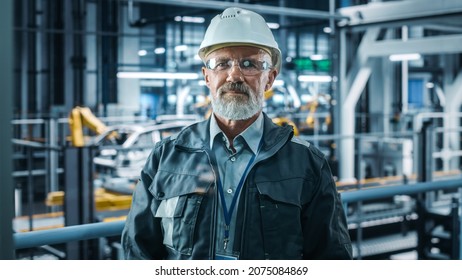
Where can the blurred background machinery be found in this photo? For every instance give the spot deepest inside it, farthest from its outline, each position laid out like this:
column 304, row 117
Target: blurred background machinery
column 377, row 85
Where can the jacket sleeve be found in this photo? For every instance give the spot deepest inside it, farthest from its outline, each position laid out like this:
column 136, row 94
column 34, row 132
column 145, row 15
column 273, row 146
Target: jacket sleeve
column 142, row 234
column 324, row 222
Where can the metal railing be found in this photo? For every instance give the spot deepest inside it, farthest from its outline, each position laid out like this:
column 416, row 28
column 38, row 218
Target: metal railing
column 106, row 229
column 389, row 191
column 67, row 234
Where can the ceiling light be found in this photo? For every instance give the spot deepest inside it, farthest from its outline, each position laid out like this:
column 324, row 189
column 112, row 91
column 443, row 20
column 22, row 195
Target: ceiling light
column 181, row 48
column 273, row 25
column 327, row 30
column 405, row 56
column 159, row 50
column 157, row 75
column 316, row 57
column 429, row 85
column 193, row 19
column 190, row 19
column 142, row 52
column 315, row 78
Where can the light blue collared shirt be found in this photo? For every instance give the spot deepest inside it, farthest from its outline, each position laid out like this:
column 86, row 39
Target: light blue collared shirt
column 231, row 167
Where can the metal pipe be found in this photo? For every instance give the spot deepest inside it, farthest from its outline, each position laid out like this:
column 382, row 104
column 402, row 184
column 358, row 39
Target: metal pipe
column 389, row 191
column 66, row 234
column 33, row 144
column 53, row 156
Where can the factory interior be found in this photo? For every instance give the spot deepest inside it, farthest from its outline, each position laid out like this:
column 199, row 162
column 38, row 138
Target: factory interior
column 89, row 86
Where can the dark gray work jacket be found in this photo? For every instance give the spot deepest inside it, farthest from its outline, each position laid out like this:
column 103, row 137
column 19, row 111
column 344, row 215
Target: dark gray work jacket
column 289, row 207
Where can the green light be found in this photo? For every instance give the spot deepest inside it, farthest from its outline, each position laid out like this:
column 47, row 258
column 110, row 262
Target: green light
column 305, row 63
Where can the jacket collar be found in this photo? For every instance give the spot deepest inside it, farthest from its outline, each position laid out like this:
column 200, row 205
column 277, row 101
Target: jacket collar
column 196, row 136
column 251, row 134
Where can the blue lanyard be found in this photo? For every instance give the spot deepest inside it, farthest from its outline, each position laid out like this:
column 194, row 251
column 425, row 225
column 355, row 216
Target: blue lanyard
column 227, row 213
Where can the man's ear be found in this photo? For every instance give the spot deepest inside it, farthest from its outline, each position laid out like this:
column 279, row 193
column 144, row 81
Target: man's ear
column 206, row 76
column 271, row 77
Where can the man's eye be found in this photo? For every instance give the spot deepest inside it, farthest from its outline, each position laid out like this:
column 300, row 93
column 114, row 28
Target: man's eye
column 248, row 64
column 222, row 65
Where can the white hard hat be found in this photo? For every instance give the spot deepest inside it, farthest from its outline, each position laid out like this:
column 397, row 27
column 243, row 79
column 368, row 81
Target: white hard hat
column 237, row 27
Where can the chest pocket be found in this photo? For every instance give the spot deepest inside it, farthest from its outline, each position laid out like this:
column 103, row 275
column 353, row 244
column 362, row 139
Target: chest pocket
column 280, row 210
column 180, row 197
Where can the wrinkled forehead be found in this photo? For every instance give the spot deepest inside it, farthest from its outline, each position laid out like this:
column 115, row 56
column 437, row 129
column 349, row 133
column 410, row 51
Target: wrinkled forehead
column 238, row 52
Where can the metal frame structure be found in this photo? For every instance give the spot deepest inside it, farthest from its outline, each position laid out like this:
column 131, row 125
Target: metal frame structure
column 283, row 11
column 355, row 74
column 6, row 77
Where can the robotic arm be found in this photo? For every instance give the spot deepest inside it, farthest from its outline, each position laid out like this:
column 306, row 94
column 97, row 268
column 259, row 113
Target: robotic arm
column 80, row 117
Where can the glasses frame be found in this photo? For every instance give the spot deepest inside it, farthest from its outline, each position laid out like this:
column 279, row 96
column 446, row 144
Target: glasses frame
column 262, row 65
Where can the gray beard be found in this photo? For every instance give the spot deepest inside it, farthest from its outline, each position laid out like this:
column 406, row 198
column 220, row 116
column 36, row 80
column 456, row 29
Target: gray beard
column 237, row 107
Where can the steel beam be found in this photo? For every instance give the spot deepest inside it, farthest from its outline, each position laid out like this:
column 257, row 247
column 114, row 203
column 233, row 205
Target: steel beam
column 352, row 86
column 424, row 45
column 74, row 53
column 6, row 113
column 79, row 197
column 451, row 144
column 385, row 12
column 272, row 10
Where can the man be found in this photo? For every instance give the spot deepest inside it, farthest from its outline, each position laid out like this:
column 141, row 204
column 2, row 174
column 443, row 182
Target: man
column 236, row 186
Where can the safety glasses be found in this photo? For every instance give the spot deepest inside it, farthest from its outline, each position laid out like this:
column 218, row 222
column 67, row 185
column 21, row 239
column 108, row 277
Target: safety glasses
column 247, row 66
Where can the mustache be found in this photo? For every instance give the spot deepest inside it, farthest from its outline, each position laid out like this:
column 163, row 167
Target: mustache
column 240, row 87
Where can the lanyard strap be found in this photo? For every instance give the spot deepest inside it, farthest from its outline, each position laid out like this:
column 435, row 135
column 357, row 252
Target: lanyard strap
column 227, row 213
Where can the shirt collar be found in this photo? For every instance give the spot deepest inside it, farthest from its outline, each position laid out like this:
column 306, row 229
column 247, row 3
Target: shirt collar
column 251, row 135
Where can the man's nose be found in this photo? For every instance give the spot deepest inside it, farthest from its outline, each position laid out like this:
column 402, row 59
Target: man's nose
column 234, row 73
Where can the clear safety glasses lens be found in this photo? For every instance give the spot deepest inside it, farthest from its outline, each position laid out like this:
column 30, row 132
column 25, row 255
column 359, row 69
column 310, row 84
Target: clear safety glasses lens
column 247, row 66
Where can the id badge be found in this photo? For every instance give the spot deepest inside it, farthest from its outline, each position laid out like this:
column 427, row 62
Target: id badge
column 225, row 257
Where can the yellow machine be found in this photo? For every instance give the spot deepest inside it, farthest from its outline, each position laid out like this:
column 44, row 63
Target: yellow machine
column 311, row 118
column 80, row 117
column 269, row 93
column 105, row 200
column 283, row 121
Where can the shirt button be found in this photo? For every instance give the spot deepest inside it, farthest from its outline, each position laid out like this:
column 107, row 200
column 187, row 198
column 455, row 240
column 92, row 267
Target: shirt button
column 230, row 191
column 233, row 159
